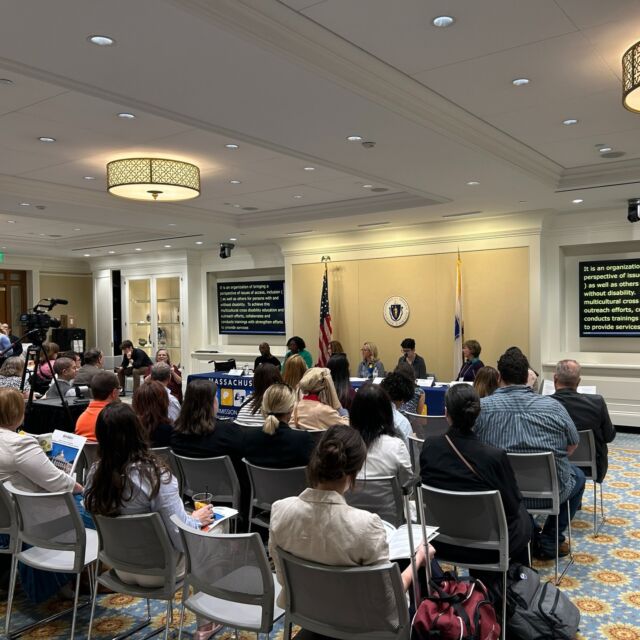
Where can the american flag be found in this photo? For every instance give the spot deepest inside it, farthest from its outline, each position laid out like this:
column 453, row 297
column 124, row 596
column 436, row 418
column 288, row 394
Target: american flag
column 325, row 335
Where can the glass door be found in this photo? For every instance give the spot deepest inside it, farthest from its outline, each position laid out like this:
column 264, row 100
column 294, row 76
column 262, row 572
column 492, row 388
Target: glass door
column 169, row 329
column 139, row 329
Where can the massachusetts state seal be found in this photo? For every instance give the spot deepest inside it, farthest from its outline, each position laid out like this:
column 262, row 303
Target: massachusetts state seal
column 396, row 311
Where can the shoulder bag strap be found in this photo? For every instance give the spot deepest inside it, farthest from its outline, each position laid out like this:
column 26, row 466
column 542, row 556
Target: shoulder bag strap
column 464, row 460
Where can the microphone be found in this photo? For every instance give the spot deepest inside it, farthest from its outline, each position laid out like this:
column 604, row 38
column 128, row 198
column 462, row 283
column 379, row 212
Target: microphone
column 55, row 301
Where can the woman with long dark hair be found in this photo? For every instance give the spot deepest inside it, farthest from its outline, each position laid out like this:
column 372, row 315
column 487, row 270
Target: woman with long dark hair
column 250, row 414
column 338, row 364
column 151, row 405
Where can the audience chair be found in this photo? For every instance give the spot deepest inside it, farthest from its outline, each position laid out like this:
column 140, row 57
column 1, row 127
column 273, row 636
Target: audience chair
column 537, row 479
column 58, row 541
column 381, row 495
column 315, row 436
column 166, row 455
column 415, row 449
column 483, row 528
column 585, row 458
column 88, row 456
column 427, row 426
column 137, row 544
column 214, row 475
column 355, row 603
column 231, row 580
column 269, row 485
column 8, row 521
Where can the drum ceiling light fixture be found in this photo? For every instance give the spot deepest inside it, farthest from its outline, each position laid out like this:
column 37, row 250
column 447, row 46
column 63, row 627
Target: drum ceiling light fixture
column 631, row 78
column 159, row 179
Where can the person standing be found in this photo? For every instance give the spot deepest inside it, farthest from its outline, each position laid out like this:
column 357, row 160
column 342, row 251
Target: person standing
column 588, row 411
column 135, row 362
column 409, row 355
column 265, row 356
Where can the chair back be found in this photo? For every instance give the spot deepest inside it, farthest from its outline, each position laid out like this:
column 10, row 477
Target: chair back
column 50, row 521
column 470, row 519
column 138, row 544
column 585, row 454
column 345, row 602
column 427, row 426
column 415, row 449
column 223, row 366
column 166, row 455
column 214, row 475
column 381, row 495
column 232, row 567
column 269, row 485
column 8, row 520
column 537, row 480
column 88, row 456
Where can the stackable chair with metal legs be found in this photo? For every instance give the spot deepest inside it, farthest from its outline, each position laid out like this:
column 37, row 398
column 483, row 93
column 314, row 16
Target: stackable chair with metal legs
column 51, row 525
column 585, row 458
column 537, row 479
column 381, row 495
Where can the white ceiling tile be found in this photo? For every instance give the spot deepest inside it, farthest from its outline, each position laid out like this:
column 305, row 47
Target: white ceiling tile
column 590, row 13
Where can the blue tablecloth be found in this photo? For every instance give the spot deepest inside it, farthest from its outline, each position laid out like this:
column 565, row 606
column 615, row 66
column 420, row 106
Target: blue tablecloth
column 233, row 391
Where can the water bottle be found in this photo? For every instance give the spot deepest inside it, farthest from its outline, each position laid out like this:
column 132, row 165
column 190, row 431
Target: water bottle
column 375, row 372
column 245, row 370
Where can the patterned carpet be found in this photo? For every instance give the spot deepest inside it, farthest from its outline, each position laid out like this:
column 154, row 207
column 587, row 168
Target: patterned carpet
column 604, row 581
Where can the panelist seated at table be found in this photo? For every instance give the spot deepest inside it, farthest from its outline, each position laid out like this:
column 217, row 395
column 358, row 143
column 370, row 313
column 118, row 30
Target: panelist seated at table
column 370, row 367
column 319, row 407
column 472, row 364
column 265, row 357
column 297, row 346
column 409, row 355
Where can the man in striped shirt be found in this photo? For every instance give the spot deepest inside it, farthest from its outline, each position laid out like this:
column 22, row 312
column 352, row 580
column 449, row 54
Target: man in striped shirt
column 518, row 420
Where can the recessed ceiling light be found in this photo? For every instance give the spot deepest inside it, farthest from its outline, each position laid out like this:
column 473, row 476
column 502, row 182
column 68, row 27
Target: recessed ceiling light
column 235, row 181
column 354, row 138
column 309, row 168
column 232, row 146
column 297, row 196
column 367, row 186
column 236, row 206
column 25, row 204
column 127, row 116
column 577, row 201
column 472, row 183
column 172, row 224
column 42, row 235
column 199, row 242
column 101, row 41
column 46, row 139
column 233, row 239
column 167, row 246
column 138, row 249
column 111, row 252
column 77, row 229
column 570, row 121
column 3, row 247
column 89, row 177
column 443, row 21
column 520, row 82
column 87, row 255
column 6, row 81
column 11, row 221
column 605, row 149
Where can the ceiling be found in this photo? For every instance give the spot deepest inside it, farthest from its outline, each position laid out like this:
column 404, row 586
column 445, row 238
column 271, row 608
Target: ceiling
column 288, row 82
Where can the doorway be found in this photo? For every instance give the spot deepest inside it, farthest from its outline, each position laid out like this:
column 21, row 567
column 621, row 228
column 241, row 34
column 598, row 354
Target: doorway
column 13, row 298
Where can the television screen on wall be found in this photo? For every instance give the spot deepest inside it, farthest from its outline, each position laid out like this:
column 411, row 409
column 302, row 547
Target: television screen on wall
column 251, row 308
column 609, row 298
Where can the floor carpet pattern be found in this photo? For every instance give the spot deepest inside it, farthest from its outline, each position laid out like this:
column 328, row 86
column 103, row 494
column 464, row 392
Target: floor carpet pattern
column 604, row 582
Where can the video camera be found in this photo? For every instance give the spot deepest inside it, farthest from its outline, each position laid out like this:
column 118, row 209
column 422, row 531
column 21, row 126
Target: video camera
column 38, row 321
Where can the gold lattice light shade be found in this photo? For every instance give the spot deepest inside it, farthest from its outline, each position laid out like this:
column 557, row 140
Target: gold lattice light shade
column 631, row 78
column 153, row 179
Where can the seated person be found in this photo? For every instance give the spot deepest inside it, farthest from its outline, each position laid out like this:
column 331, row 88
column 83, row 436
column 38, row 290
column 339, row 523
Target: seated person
column 65, row 370
column 417, row 402
column 410, row 357
column 293, row 370
column 277, row 445
column 11, row 374
column 151, row 405
column 25, row 464
column 135, row 362
column 265, row 357
column 319, row 407
column 335, row 348
column 72, row 355
column 443, row 467
column 370, row 367
column 93, row 363
column 104, row 390
column 387, row 454
column 472, row 363
column 161, row 372
column 297, row 346
column 400, row 390
column 44, row 371
column 486, row 381
column 250, row 414
column 175, row 379
column 147, row 487
column 319, row 525
column 338, row 365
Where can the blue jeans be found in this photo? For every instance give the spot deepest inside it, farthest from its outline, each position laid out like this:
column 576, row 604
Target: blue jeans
column 556, row 525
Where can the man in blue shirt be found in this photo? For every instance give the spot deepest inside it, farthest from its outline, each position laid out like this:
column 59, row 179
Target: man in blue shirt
column 5, row 343
column 518, row 420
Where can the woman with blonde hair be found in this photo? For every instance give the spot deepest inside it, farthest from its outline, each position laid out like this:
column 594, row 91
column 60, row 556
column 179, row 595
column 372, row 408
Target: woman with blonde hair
column 319, row 407
column 293, row 370
column 277, row 445
column 370, row 367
